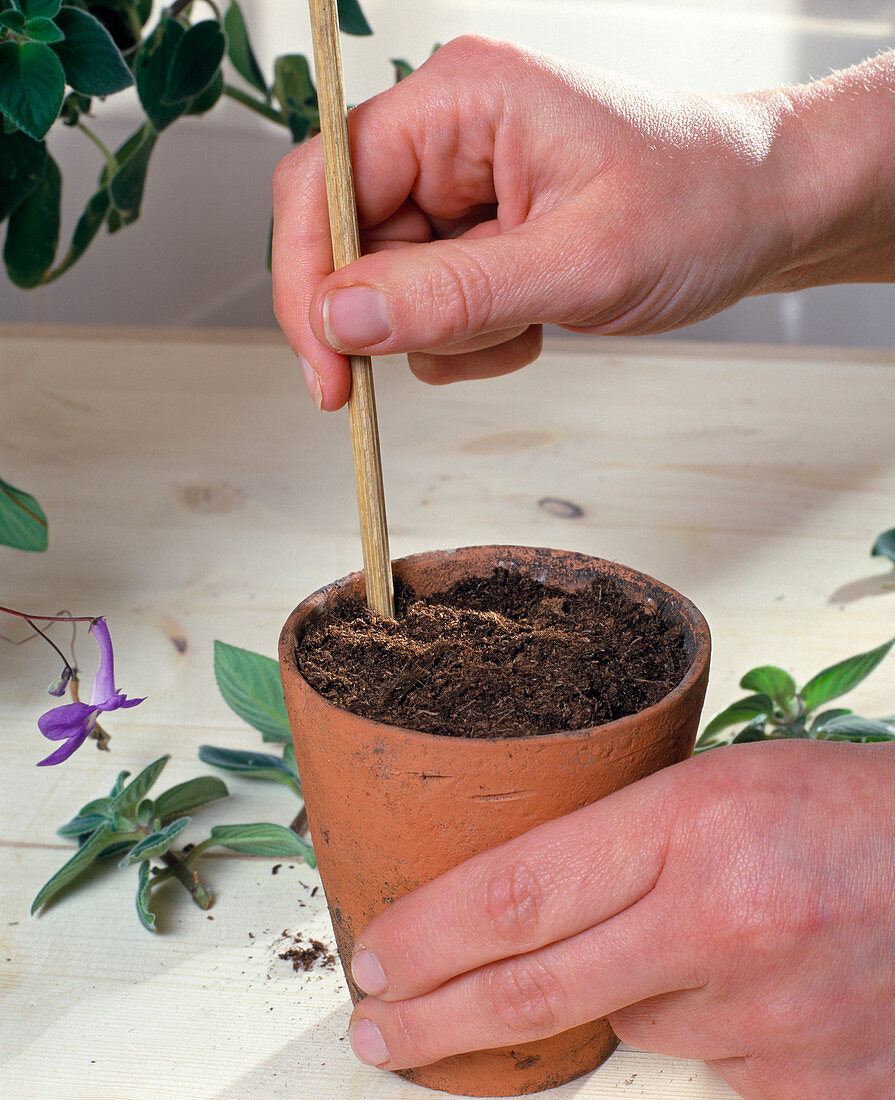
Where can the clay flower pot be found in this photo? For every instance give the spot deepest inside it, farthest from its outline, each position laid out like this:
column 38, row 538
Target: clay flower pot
column 389, row 808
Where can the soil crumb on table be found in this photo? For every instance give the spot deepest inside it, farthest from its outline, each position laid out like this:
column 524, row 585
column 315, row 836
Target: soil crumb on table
column 499, row 656
column 315, row 954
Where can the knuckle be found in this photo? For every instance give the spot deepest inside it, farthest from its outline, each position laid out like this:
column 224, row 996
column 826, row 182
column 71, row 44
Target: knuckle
column 527, row 998
column 412, row 1043
column 513, row 903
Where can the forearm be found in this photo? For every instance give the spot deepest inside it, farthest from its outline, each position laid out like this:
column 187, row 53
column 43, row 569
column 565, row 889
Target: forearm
column 836, row 156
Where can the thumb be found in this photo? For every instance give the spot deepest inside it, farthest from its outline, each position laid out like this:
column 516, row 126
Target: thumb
column 435, row 296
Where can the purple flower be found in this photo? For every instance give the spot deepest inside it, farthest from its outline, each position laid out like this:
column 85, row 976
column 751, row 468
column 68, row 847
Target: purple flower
column 74, row 722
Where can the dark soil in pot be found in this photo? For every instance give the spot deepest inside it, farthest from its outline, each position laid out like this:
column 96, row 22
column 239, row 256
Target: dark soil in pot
column 496, row 656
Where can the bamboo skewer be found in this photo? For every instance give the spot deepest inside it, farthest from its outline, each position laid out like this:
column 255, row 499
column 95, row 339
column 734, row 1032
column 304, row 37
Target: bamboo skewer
column 346, row 248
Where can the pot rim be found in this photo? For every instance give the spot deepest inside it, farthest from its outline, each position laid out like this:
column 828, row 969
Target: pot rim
column 686, row 610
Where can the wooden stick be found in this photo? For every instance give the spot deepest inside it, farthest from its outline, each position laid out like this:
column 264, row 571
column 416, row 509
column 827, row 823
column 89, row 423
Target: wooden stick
column 346, row 248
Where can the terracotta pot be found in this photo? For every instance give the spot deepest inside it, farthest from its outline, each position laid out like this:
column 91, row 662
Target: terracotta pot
column 389, row 808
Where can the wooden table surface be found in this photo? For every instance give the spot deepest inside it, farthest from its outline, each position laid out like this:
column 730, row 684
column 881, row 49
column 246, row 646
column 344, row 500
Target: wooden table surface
column 194, row 493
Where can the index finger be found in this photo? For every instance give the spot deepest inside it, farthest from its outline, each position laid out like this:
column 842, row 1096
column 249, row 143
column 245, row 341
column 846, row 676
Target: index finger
column 551, row 883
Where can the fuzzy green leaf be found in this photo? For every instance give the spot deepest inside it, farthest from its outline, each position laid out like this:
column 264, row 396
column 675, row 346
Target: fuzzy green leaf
column 152, row 69
column 92, row 62
column 129, row 180
column 402, row 69
column 189, row 796
column 884, row 547
column 296, row 94
column 79, row 862
column 206, row 99
column 33, row 233
column 250, row 684
column 352, row 19
column 130, row 796
column 743, row 710
column 253, row 765
column 156, row 843
column 840, row 678
column 852, row 727
column 41, row 29
column 146, row 915
column 89, row 224
column 195, row 62
column 23, row 524
column 34, row 9
column 263, row 839
column 82, row 825
column 770, row 680
column 13, row 20
column 290, row 763
column 32, row 85
column 239, row 49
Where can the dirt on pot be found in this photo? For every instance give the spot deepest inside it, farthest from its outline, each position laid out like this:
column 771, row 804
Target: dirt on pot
column 496, row 656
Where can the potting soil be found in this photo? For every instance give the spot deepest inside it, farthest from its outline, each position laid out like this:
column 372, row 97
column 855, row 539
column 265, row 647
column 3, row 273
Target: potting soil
column 499, row 656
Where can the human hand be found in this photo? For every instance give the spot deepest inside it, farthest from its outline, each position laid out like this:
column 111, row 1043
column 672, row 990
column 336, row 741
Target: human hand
column 736, row 908
column 498, row 189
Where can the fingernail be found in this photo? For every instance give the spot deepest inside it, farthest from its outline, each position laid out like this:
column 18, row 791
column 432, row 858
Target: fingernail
column 367, row 1043
column 356, row 317
column 367, row 972
column 311, row 381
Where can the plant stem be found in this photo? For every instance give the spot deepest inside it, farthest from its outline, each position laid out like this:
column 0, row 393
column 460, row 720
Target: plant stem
column 187, row 878
column 254, row 104
column 50, row 618
column 110, row 159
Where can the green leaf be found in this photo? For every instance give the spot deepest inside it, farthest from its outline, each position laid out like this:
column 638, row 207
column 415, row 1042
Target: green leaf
column 129, row 180
column 239, row 49
column 351, row 18
column 73, row 106
column 840, row 678
column 13, row 20
column 92, row 62
column 884, row 547
column 156, row 843
column 130, row 796
column 32, row 85
column 743, row 710
column 195, row 62
column 250, row 684
column 263, row 839
column 152, row 68
column 189, row 796
column 854, row 728
column 769, row 680
column 23, row 524
column 402, row 69
column 207, row 99
column 79, row 862
column 41, row 29
column 22, row 161
column 146, row 915
column 296, row 94
column 34, row 9
column 33, row 233
column 290, row 763
column 82, row 825
column 253, row 765
column 88, row 226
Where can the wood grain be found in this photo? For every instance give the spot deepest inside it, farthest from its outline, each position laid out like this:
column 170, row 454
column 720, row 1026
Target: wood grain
column 346, row 249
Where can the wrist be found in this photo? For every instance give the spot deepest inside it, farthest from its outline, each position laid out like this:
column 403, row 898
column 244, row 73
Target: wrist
column 834, row 160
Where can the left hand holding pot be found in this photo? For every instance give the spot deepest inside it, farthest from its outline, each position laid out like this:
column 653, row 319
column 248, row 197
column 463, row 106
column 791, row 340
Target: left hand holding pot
column 735, row 908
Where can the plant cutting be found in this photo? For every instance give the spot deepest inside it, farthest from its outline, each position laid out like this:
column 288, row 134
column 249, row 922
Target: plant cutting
column 390, row 807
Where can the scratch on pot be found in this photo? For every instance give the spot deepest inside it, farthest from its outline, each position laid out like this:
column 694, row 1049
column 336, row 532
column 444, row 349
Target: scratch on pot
column 502, row 796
